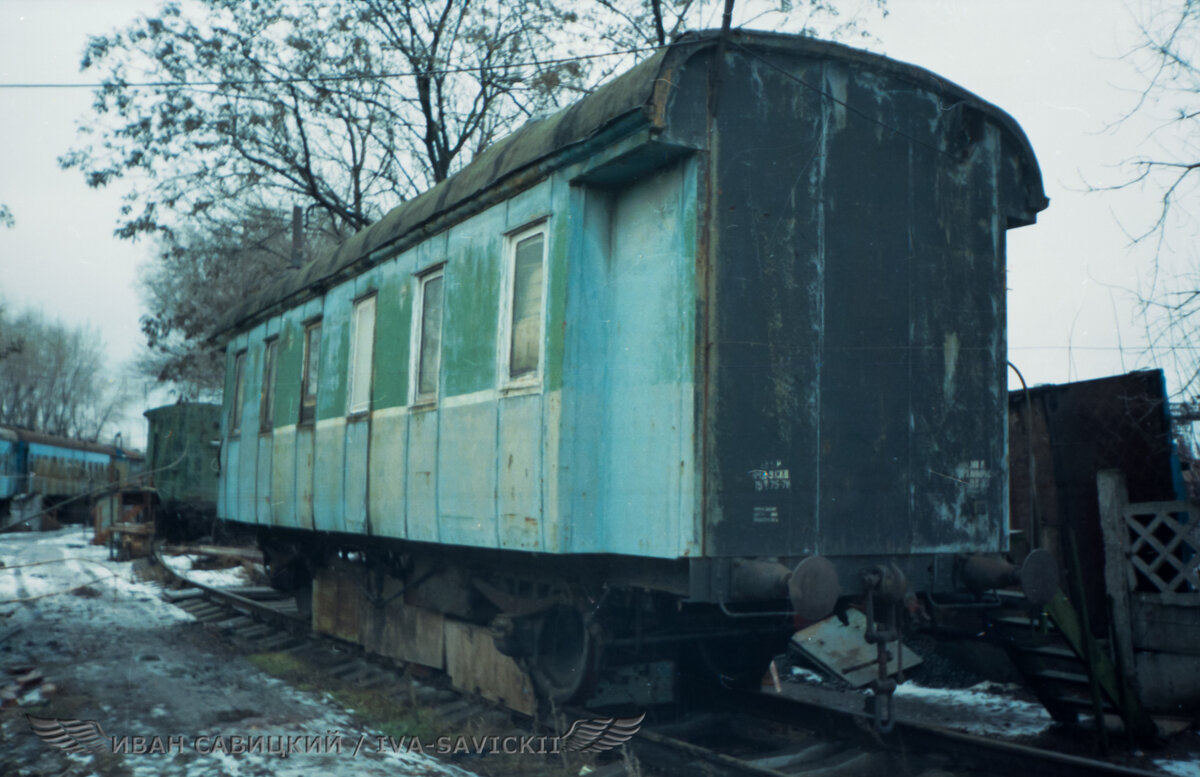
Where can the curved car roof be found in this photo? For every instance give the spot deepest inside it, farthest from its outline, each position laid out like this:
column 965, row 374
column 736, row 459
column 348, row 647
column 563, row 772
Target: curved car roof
column 516, row 159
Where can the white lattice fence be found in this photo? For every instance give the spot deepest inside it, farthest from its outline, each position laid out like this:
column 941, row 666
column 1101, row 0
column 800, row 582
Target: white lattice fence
column 1163, row 541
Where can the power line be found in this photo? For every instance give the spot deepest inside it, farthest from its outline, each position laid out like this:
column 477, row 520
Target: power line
column 1095, row 348
column 316, row 79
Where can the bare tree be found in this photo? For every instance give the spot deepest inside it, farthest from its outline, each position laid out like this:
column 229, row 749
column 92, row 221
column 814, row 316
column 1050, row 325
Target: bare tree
column 351, row 106
column 53, row 379
column 6, row 216
column 1169, row 98
column 218, row 117
column 198, row 274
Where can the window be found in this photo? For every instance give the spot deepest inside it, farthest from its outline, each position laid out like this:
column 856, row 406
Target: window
column 360, row 357
column 428, row 340
column 308, row 379
column 523, row 308
column 239, row 378
column 266, row 408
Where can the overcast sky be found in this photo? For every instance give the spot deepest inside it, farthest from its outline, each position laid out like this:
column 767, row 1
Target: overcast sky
column 1055, row 66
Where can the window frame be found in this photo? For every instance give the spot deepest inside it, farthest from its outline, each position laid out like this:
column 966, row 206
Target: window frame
column 309, row 418
column 530, row 381
column 239, row 393
column 267, row 392
column 364, row 407
column 416, row 397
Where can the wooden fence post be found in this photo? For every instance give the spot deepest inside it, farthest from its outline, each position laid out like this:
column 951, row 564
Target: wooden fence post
column 1118, row 573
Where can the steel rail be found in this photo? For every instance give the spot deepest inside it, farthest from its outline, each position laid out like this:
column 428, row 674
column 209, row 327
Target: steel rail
column 245, row 606
column 987, row 756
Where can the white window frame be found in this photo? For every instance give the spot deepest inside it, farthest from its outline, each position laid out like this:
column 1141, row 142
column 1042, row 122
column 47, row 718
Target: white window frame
column 306, row 362
column 415, row 397
column 531, row 381
column 364, row 405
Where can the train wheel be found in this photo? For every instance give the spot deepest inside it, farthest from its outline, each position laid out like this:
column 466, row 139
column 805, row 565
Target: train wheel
column 562, row 661
column 304, row 602
column 733, row 664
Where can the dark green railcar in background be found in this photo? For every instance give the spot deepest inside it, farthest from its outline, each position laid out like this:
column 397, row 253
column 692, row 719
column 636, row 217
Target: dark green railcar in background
column 182, row 465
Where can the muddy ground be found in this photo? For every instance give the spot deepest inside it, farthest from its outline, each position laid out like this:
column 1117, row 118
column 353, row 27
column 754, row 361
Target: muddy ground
column 113, row 652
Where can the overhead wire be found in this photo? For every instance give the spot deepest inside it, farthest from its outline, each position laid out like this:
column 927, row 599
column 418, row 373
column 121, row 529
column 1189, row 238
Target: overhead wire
column 314, row 79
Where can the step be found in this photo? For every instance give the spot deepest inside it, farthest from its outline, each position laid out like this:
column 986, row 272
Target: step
column 1062, row 677
column 1021, row 622
column 1049, row 651
column 234, row 623
column 256, row 632
column 183, row 594
column 1081, row 703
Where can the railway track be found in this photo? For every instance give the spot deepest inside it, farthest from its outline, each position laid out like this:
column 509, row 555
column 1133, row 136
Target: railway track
column 768, row 733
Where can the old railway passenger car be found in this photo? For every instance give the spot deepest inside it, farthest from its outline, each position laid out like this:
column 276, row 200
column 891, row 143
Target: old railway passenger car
column 57, row 477
column 741, row 308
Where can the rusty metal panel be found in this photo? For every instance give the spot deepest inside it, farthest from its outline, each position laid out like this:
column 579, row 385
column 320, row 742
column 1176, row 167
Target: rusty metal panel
column 265, row 476
column 246, row 473
column 553, row 526
column 858, row 345
column 843, row 650
column 583, row 372
column 329, row 474
column 283, row 477
column 231, row 472
column 422, row 476
column 648, row 350
column 387, row 476
column 475, row 665
column 358, row 434
column 305, row 450
column 403, row 631
column 466, row 479
column 622, row 472
column 1079, row 429
column 223, row 478
column 519, row 461
column 337, row 603
column 181, row 434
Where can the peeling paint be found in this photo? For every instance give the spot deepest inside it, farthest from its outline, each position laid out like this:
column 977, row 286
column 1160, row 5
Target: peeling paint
column 950, row 361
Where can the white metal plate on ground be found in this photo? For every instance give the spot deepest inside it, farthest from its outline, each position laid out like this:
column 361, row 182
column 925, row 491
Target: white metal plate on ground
column 844, row 651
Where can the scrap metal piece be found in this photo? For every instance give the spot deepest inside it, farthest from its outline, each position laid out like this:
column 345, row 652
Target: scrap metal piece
column 842, row 650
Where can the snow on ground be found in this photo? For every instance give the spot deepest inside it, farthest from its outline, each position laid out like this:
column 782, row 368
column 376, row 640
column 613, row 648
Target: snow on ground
column 217, row 578
column 113, row 651
column 1179, row 768
column 993, row 709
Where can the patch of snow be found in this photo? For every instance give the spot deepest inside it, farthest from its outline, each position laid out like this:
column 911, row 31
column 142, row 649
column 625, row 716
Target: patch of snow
column 994, row 711
column 217, row 578
column 807, row 675
column 122, row 644
column 1180, row 768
